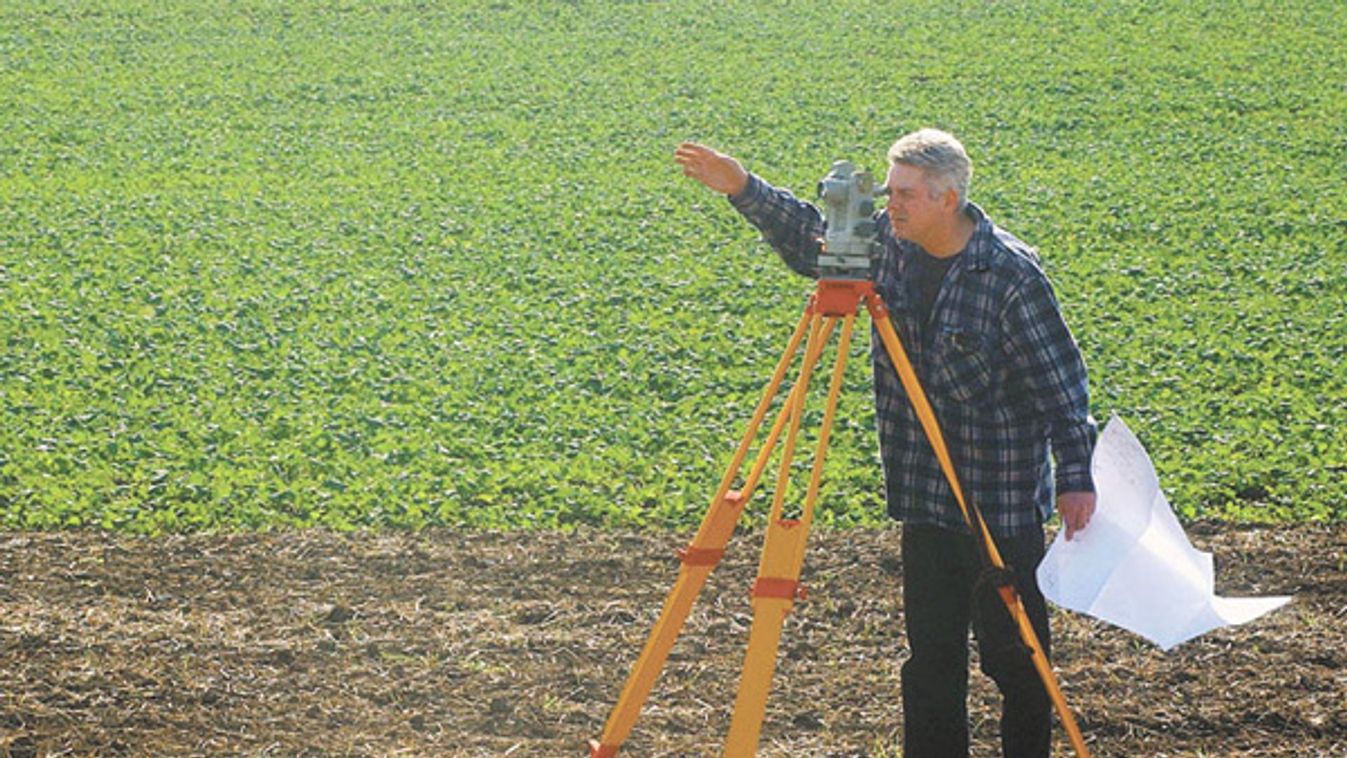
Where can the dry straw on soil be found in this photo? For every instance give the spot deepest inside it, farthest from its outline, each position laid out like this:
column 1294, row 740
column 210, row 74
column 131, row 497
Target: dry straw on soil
column 490, row 644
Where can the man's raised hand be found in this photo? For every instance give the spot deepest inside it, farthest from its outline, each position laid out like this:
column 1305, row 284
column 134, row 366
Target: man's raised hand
column 714, row 169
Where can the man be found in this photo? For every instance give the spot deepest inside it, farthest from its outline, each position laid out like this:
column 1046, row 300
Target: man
column 980, row 322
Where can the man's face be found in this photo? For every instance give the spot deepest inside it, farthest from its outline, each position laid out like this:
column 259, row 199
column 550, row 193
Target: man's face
column 913, row 211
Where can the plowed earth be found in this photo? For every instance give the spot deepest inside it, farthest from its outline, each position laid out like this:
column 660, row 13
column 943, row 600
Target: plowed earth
column 493, row 644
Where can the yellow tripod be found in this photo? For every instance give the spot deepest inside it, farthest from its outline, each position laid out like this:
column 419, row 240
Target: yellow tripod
column 778, row 581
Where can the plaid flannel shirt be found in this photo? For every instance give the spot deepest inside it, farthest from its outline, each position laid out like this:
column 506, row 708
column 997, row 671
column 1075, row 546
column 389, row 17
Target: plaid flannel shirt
column 996, row 360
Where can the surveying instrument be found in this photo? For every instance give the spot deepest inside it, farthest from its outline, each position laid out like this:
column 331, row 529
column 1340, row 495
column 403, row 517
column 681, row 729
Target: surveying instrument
column 844, row 264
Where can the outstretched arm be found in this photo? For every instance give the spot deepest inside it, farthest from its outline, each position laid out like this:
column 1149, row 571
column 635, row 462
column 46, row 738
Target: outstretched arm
column 712, row 168
column 792, row 227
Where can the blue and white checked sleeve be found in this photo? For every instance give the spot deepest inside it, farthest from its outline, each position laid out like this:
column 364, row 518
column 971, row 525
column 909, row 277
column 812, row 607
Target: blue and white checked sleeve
column 792, row 227
column 1049, row 363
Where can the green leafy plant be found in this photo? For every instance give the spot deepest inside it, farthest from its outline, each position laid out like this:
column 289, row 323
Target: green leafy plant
column 406, row 264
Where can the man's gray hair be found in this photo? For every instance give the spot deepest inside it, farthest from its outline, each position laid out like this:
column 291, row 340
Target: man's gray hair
column 940, row 156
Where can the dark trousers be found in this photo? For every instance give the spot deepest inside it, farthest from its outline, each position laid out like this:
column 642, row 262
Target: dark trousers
column 940, row 578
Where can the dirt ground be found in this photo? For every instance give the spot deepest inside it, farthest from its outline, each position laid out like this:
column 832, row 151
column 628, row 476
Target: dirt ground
column 496, row 644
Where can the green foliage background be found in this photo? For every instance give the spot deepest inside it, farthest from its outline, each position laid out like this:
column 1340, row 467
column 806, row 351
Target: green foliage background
column 410, row 263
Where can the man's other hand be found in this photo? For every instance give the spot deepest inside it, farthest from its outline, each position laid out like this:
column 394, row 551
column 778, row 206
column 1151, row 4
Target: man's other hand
column 716, row 170
column 1076, row 509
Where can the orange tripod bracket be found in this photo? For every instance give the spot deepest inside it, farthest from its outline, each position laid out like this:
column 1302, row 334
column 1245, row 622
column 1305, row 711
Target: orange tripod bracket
column 841, row 297
column 778, row 583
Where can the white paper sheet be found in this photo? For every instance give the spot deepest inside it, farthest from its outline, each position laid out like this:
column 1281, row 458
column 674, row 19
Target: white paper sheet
column 1133, row 566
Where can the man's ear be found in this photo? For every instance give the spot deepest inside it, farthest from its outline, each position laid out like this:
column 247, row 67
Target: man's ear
column 950, row 200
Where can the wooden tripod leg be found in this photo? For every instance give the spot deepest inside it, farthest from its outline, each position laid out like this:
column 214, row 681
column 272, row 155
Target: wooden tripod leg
column 760, row 464
column 698, row 560
column 1011, row 599
column 778, row 582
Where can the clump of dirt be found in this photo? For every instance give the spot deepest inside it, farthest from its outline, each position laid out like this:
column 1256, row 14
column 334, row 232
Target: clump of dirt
column 491, row 644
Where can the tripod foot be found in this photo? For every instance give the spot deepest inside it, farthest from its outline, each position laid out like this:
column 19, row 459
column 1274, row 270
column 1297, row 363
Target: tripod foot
column 601, row 751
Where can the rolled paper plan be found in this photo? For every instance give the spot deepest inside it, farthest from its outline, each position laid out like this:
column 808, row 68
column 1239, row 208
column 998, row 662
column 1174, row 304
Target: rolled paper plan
column 1133, row 566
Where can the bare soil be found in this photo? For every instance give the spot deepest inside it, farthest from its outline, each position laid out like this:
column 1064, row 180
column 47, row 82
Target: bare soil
column 494, row 644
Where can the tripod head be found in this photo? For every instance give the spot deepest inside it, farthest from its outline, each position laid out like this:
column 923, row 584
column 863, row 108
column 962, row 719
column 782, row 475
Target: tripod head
column 852, row 240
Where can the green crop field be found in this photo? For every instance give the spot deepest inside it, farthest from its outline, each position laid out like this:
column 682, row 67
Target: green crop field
column 411, row 263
